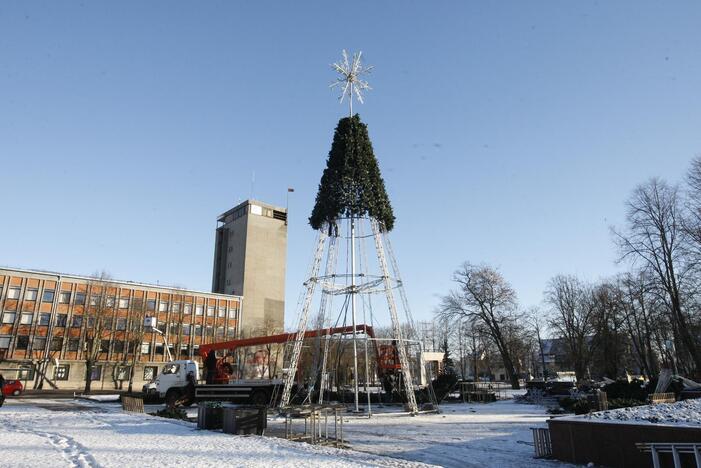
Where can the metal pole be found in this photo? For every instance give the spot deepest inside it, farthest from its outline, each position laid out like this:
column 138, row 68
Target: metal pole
column 352, row 291
column 367, row 376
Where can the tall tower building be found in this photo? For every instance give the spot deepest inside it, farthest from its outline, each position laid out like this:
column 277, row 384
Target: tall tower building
column 250, row 259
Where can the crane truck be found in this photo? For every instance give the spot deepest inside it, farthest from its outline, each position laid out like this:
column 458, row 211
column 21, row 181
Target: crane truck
column 180, row 381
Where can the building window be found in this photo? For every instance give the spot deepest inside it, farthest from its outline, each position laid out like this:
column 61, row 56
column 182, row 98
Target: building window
column 173, row 328
column 73, row 344
column 176, row 307
column 79, row 298
column 198, row 330
column 122, row 372
column 209, row 331
column 25, row 372
column 91, row 322
column 118, row 346
column 39, row 343
column 22, row 342
column 56, row 343
column 222, row 312
column 220, row 332
column 109, row 301
column 186, row 329
column 31, row 295
column 150, row 373
column 64, row 297
column 44, row 319
column 61, row 320
column 9, row 317
column 13, row 293
column 77, row 321
column 94, row 300
column 151, row 304
column 199, row 309
column 145, row 348
column 26, row 319
column 162, row 306
column 96, row 372
column 48, row 295
column 123, row 302
column 230, row 331
column 121, row 324
column 107, row 323
column 187, row 309
column 104, row 346
column 61, row 372
column 5, row 342
column 210, row 311
column 232, row 313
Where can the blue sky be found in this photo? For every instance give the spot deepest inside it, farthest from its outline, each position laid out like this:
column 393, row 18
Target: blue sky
column 507, row 132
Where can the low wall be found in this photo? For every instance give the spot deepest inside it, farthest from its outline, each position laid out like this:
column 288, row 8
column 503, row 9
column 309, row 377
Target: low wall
column 579, row 440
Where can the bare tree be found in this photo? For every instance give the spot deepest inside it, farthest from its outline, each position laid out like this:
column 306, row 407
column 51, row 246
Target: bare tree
column 573, row 319
column 655, row 236
column 135, row 334
column 641, row 320
column 609, row 341
column 536, row 319
column 99, row 312
column 483, row 294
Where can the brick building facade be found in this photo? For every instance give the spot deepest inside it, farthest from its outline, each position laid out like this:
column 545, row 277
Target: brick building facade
column 46, row 321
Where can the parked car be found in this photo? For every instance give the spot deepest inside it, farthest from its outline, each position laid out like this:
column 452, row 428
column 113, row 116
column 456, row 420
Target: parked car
column 12, row 388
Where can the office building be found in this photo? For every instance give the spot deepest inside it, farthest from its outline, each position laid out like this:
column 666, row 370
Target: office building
column 48, row 319
column 249, row 260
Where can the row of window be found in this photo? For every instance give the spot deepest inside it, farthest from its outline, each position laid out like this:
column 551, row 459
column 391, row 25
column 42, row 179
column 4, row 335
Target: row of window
column 62, row 321
column 123, row 302
column 62, row 372
column 39, row 342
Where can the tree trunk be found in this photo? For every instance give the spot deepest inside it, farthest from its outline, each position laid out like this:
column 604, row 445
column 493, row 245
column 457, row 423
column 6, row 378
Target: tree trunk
column 88, row 376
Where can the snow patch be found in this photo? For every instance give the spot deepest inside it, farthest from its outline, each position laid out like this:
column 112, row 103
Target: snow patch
column 681, row 413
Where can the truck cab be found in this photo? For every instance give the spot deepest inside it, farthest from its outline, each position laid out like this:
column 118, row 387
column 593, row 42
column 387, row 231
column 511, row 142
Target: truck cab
column 174, row 375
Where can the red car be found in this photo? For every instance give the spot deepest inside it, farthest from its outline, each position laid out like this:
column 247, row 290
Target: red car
column 12, row 387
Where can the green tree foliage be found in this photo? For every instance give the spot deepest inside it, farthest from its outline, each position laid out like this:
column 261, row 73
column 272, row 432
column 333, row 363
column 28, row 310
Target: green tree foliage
column 351, row 184
column 448, row 364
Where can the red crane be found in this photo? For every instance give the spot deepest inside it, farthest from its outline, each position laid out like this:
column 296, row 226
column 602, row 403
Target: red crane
column 387, row 355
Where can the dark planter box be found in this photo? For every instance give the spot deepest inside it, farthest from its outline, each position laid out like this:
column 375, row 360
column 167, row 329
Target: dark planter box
column 209, row 418
column 253, row 420
column 613, row 444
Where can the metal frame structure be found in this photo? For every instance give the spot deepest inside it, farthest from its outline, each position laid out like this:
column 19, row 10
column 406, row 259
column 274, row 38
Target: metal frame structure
column 353, row 284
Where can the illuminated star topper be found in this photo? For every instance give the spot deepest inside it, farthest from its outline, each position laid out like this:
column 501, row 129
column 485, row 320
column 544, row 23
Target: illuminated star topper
column 350, row 81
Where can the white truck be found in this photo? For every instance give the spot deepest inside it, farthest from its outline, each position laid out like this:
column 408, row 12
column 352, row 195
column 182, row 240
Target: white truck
column 178, row 384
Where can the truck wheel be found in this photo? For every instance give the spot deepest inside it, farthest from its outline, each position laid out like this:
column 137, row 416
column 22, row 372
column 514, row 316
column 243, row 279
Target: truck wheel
column 260, row 398
column 16, row 393
column 172, row 397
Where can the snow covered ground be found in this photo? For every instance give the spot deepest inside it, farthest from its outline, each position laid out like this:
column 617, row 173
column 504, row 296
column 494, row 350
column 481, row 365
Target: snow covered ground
column 36, row 433
column 463, row 435
column 681, row 413
column 54, row 433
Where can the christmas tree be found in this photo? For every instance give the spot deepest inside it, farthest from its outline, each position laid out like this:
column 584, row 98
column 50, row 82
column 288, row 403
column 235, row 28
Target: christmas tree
column 351, row 185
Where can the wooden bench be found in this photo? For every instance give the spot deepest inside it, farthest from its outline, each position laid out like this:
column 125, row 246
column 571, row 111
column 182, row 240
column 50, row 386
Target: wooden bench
column 676, row 449
column 657, row 398
column 132, row 404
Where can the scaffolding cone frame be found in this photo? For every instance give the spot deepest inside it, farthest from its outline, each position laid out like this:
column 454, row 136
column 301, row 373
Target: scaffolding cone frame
column 387, row 283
